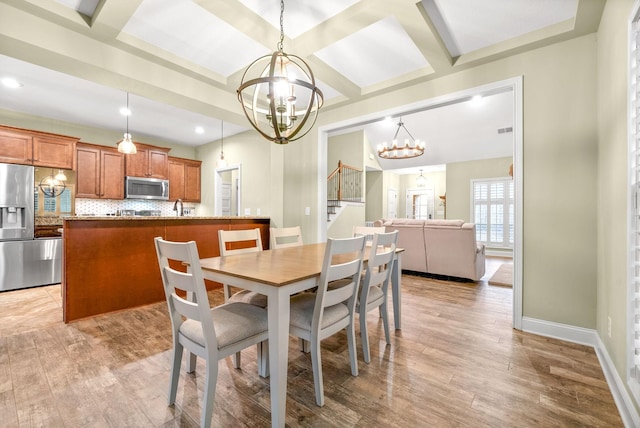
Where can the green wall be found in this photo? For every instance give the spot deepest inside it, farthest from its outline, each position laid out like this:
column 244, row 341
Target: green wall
column 611, row 203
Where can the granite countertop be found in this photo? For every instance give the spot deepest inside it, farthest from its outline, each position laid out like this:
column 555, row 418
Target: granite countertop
column 117, row 218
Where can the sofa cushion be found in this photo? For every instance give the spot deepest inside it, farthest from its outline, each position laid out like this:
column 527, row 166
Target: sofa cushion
column 444, row 223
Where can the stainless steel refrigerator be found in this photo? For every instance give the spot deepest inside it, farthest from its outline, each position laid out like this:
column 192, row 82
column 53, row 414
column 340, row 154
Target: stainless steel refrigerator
column 24, row 261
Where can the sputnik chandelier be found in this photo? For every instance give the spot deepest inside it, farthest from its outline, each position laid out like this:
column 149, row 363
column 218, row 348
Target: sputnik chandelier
column 411, row 147
column 278, row 94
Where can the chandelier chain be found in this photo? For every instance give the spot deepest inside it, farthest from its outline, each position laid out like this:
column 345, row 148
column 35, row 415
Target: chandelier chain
column 281, row 43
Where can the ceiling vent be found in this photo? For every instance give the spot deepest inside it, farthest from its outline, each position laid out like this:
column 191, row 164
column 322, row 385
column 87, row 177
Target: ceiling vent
column 505, row 130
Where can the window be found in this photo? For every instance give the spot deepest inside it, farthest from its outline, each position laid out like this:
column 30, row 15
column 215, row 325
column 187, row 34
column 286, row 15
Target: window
column 58, row 206
column 633, row 344
column 493, row 211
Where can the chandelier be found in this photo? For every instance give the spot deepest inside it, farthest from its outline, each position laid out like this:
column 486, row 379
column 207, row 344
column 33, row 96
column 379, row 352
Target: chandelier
column 411, row 147
column 278, row 94
column 421, row 180
column 126, row 146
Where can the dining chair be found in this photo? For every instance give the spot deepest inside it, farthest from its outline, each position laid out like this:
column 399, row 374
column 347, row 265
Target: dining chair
column 212, row 334
column 367, row 231
column 283, row 237
column 374, row 287
column 316, row 316
column 229, row 241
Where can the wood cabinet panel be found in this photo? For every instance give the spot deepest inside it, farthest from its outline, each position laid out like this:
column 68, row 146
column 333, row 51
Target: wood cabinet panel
column 100, row 172
column 16, row 147
column 111, row 264
column 23, row 146
column 53, row 152
column 149, row 161
column 184, row 179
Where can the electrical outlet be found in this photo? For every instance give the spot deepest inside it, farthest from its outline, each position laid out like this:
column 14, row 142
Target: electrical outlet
column 609, row 326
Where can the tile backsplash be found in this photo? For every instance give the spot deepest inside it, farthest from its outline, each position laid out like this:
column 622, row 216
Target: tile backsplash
column 102, row 207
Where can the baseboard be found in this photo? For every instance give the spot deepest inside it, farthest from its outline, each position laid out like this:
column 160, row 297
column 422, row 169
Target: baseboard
column 589, row 337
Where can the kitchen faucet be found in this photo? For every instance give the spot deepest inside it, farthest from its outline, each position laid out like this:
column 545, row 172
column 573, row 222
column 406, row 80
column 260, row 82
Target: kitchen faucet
column 175, row 208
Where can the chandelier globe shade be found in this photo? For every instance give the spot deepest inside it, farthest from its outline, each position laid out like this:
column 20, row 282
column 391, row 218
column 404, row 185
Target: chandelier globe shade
column 52, row 186
column 410, row 148
column 279, row 96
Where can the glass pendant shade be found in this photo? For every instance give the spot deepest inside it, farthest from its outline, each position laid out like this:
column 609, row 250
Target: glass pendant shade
column 421, row 181
column 279, row 96
column 126, row 145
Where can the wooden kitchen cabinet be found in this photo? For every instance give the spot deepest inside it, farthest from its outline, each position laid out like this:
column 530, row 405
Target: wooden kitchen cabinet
column 26, row 147
column 184, row 179
column 150, row 161
column 100, row 172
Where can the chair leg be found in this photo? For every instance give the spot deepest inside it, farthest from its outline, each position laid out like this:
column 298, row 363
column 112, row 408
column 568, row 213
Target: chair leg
column 316, row 364
column 263, row 358
column 304, row 346
column 227, row 292
column 236, row 360
column 209, row 392
column 353, row 354
column 364, row 335
column 176, row 359
column 191, row 362
column 385, row 321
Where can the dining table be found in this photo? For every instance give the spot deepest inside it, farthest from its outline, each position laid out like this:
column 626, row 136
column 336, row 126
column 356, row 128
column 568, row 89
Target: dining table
column 279, row 274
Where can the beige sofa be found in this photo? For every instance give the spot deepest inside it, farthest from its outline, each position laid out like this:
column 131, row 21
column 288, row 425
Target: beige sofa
column 441, row 247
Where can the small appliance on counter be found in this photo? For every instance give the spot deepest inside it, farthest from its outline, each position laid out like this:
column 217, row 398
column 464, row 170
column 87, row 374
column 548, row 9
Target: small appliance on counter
column 25, row 260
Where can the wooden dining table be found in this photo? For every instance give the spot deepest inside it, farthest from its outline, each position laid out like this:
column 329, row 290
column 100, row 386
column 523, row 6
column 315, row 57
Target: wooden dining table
column 278, row 274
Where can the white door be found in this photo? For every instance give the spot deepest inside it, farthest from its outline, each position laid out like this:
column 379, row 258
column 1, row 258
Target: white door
column 226, row 199
column 392, row 203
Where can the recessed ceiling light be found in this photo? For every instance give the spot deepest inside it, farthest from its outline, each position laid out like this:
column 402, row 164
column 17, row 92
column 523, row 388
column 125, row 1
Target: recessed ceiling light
column 199, row 130
column 476, row 100
column 12, row 83
column 125, row 111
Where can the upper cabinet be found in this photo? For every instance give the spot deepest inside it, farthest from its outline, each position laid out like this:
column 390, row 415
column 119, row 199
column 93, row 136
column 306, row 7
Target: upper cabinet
column 100, row 172
column 184, row 179
column 22, row 146
column 150, row 161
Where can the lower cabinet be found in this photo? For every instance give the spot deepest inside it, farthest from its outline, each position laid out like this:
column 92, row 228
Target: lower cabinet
column 99, row 172
column 184, row 179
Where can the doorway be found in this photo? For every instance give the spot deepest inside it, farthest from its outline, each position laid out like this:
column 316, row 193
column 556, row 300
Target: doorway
column 514, row 86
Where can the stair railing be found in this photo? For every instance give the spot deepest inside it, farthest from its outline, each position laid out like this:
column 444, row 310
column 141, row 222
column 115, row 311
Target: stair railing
column 345, row 184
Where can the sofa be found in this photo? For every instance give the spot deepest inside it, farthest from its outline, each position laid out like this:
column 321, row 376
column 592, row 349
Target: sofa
column 439, row 247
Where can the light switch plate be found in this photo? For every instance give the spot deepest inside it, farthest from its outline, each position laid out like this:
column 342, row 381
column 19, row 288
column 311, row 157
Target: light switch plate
column 307, row 211
column 247, row 211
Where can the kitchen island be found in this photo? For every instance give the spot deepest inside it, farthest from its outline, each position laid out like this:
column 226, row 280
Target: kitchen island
column 110, row 263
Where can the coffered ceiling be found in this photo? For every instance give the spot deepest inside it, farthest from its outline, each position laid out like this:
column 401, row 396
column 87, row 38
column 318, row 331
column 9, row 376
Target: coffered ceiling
column 182, row 60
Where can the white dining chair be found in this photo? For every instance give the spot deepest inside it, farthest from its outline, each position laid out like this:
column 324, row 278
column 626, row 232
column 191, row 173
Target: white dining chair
column 283, row 237
column 316, row 316
column 374, row 287
column 367, row 231
column 251, row 242
column 212, row 334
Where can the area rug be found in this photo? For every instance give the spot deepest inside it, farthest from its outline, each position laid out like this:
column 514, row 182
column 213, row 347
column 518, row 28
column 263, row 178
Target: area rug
column 503, row 276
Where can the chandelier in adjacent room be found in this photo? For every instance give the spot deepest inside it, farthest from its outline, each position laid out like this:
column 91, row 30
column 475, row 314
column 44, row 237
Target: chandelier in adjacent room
column 278, row 94
column 410, row 148
column 126, row 145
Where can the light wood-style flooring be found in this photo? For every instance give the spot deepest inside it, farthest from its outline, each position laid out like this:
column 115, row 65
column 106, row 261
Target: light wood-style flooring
column 456, row 363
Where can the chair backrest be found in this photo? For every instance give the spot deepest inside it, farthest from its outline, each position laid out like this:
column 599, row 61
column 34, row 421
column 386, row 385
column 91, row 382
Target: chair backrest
column 367, row 231
column 251, row 239
column 282, row 237
column 380, row 263
column 342, row 261
column 191, row 282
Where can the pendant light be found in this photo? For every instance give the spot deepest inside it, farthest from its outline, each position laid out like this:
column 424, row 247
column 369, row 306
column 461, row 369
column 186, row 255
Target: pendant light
column 411, row 147
column 421, row 181
column 51, row 186
column 221, row 163
column 278, row 94
column 126, row 146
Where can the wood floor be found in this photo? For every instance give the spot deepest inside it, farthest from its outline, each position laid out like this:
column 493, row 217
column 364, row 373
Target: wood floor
column 456, row 363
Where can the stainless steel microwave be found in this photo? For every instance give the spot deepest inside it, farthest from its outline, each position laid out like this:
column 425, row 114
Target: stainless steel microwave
column 146, row 188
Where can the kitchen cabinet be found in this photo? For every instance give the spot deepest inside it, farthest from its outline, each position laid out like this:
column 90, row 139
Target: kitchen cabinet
column 26, row 147
column 100, row 172
column 150, row 161
column 184, row 179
